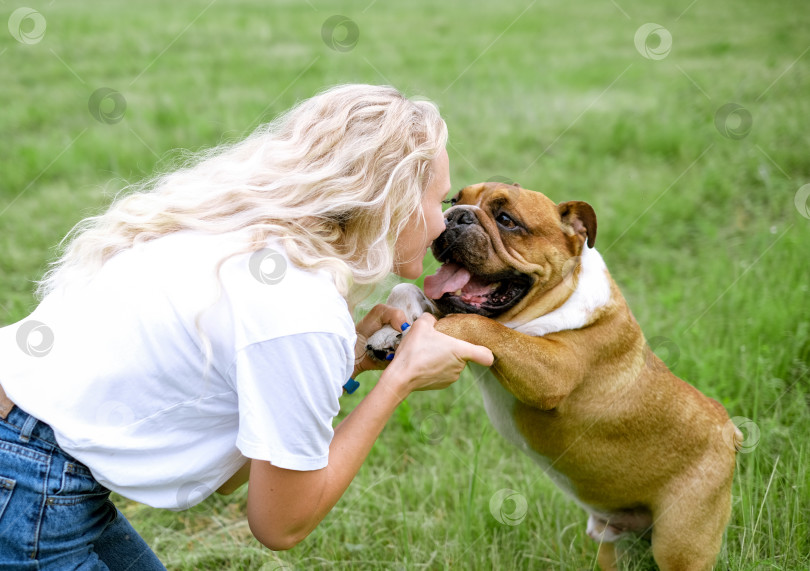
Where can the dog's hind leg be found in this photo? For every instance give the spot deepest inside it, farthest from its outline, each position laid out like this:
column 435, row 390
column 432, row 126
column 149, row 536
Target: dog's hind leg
column 599, row 530
column 688, row 529
column 607, row 557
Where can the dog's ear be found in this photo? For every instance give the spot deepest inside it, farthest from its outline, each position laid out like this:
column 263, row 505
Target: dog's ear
column 581, row 218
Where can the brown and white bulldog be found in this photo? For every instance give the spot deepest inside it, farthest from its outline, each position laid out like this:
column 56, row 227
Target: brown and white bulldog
column 574, row 383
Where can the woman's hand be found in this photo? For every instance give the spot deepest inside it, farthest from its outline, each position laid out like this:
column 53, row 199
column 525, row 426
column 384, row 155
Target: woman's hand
column 427, row 360
column 379, row 315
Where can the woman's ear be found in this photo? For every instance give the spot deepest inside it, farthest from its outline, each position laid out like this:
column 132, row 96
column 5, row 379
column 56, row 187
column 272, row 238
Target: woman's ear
column 581, row 218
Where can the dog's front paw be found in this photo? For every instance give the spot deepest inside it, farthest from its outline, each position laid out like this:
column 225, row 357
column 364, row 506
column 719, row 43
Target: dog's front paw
column 413, row 302
column 383, row 343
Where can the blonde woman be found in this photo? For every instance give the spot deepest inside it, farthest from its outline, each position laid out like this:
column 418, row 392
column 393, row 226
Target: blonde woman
column 199, row 331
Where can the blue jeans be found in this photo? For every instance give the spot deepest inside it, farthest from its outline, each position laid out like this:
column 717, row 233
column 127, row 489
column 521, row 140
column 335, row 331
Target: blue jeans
column 53, row 514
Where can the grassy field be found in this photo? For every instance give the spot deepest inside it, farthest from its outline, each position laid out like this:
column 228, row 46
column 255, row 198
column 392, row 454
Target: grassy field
column 691, row 143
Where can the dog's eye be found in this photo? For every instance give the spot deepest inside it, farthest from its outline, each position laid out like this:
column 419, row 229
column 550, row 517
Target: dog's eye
column 506, row 221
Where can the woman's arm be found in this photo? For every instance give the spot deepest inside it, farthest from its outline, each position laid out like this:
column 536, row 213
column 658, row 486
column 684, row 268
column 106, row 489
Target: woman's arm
column 235, row 481
column 379, row 315
column 284, row 506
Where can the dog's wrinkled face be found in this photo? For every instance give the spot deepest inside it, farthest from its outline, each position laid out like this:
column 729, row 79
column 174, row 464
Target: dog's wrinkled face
column 503, row 247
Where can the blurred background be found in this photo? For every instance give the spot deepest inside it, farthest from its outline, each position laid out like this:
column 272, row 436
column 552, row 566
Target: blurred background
column 683, row 122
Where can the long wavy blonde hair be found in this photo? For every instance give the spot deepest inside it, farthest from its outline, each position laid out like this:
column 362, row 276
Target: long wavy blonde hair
column 336, row 178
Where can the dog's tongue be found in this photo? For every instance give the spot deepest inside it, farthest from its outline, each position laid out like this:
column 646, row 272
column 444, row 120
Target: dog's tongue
column 450, row 277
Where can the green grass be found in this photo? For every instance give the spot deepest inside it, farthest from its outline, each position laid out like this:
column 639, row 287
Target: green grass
column 699, row 230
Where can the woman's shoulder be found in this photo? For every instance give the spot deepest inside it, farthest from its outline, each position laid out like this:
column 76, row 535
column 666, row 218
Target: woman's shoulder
column 258, row 294
column 263, row 271
column 283, row 297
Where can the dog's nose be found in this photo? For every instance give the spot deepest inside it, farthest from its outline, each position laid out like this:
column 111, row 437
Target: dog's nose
column 460, row 216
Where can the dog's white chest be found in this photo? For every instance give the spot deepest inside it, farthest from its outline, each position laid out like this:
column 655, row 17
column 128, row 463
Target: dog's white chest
column 500, row 404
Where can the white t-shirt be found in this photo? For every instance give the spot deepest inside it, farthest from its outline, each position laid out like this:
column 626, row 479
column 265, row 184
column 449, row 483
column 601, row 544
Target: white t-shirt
column 116, row 366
